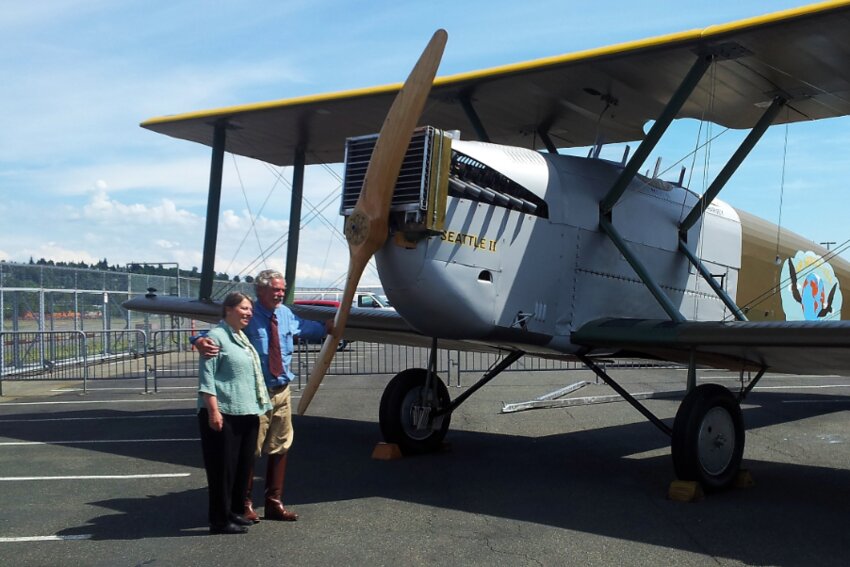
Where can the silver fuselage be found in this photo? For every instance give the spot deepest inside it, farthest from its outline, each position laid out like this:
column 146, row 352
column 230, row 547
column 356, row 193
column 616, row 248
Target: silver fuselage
column 507, row 277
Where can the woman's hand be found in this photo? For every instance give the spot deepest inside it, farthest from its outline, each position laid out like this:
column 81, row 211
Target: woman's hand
column 216, row 420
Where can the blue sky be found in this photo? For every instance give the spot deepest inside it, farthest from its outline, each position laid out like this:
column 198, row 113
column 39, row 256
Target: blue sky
column 80, row 180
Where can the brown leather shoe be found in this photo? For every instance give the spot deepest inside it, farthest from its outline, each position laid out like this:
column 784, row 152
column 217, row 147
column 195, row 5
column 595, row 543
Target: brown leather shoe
column 249, row 513
column 276, row 511
column 275, row 474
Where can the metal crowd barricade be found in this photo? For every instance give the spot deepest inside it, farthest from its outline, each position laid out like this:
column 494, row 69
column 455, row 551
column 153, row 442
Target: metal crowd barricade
column 72, row 355
column 173, row 355
column 117, row 354
column 43, row 355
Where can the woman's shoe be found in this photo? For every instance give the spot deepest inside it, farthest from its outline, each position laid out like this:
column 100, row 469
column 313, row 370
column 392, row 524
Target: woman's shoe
column 240, row 520
column 228, row 528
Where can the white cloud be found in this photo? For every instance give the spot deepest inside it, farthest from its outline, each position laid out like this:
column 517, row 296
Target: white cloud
column 126, row 230
column 166, row 244
column 102, row 209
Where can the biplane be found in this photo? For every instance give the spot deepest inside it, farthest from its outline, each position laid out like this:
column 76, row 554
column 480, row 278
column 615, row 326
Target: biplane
column 486, row 237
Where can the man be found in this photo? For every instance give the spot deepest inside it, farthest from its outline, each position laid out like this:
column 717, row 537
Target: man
column 271, row 332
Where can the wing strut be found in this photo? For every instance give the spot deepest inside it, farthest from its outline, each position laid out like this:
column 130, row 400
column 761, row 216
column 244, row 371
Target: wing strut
column 547, row 141
column 647, row 279
column 714, row 189
column 732, row 165
column 213, row 206
column 669, row 113
column 709, row 278
column 477, row 125
column 294, row 224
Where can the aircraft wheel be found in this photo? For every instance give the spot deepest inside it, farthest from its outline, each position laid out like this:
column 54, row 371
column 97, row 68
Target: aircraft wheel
column 405, row 398
column 708, row 437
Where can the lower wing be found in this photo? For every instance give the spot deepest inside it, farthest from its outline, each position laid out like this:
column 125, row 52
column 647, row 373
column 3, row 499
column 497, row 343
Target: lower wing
column 788, row 347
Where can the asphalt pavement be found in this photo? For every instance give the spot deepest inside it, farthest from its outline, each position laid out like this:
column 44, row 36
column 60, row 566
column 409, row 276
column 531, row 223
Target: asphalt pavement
column 114, row 477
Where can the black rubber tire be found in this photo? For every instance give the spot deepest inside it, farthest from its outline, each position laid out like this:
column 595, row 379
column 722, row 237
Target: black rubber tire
column 708, row 419
column 396, row 420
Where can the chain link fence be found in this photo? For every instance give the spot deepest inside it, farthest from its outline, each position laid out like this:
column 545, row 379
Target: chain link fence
column 48, row 298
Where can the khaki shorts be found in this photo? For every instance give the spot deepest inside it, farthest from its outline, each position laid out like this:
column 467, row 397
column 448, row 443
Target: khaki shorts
column 275, row 434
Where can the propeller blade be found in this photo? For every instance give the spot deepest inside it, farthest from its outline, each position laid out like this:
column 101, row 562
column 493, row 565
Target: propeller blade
column 367, row 226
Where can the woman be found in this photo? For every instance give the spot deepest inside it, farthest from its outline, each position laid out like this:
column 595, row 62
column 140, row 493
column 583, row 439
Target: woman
column 231, row 397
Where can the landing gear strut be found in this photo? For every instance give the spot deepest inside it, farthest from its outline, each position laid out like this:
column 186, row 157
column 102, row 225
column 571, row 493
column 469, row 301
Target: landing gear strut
column 707, row 438
column 416, row 408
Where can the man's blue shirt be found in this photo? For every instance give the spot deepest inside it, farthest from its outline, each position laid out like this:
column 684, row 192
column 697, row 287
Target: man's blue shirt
column 289, row 325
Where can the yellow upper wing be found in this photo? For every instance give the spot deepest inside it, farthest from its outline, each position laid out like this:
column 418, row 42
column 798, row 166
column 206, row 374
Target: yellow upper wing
column 802, row 53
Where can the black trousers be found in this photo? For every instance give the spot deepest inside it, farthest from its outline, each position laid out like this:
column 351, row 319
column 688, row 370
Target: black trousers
column 228, row 459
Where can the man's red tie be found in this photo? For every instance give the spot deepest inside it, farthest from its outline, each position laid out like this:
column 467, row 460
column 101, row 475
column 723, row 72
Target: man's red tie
column 275, row 358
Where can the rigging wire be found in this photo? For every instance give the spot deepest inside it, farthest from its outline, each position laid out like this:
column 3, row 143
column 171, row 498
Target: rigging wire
column 314, row 212
column 325, row 262
column 693, row 154
column 781, row 190
column 696, row 150
column 276, row 245
column 711, row 100
column 251, row 217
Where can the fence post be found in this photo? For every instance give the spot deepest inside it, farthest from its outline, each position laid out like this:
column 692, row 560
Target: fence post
column 155, row 335
column 2, row 356
column 85, row 362
column 144, row 335
column 41, row 355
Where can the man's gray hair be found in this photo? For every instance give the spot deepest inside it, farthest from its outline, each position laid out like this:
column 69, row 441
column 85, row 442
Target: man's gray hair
column 264, row 278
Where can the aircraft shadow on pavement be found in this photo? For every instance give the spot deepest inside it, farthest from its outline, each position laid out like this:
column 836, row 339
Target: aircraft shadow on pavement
column 592, row 481
column 795, row 515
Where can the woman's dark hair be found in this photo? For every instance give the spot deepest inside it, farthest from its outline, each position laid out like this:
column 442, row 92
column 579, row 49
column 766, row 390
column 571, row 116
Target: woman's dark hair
column 232, row 300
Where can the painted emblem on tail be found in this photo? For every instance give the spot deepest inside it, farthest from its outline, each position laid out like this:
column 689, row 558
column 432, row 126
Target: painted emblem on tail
column 810, row 290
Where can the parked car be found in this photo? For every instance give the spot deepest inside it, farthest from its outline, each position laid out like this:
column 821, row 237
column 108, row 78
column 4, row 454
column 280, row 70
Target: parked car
column 365, row 299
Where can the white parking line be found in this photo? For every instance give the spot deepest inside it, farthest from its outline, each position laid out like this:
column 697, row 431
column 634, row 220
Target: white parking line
column 95, row 477
column 45, row 538
column 140, row 389
column 847, row 401
column 151, row 400
column 105, row 417
column 91, row 441
column 807, row 387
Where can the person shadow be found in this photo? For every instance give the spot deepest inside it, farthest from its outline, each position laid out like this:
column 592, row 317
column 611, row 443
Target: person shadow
column 174, row 514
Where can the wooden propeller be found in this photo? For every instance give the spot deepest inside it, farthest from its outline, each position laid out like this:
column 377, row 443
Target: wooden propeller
column 367, row 226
